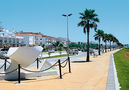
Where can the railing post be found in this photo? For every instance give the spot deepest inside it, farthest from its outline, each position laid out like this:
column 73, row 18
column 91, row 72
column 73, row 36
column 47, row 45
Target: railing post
column 69, row 65
column 5, row 64
column 37, row 63
column 19, row 79
column 60, row 69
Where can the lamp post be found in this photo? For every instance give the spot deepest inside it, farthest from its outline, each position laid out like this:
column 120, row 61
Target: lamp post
column 68, row 15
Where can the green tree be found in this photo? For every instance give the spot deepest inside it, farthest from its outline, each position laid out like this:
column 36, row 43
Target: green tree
column 115, row 41
column 0, row 43
column 105, row 39
column 60, row 48
column 57, row 45
column 88, row 20
column 43, row 46
column 74, row 45
column 110, row 39
column 98, row 36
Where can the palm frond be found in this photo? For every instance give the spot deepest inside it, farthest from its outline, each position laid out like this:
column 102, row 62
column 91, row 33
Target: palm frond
column 88, row 15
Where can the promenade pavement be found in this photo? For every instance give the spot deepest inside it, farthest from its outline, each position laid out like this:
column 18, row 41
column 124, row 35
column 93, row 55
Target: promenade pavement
column 85, row 76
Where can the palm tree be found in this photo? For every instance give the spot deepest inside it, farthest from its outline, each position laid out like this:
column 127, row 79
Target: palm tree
column 98, row 35
column 88, row 20
column 105, row 39
column 118, row 43
column 110, row 38
column 115, row 40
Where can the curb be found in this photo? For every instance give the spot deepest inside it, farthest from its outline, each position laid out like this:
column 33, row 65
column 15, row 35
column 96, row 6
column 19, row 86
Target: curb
column 112, row 80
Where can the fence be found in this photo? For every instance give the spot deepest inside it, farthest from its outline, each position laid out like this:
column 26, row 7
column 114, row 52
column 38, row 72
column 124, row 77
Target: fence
column 58, row 63
column 5, row 63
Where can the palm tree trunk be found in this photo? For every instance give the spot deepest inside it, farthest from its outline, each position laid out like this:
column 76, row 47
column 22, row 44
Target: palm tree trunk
column 110, row 45
column 105, row 46
column 113, row 45
column 99, row 46
column 88, row 57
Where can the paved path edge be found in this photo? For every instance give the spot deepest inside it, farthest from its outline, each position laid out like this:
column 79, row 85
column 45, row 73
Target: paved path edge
column 112, row 80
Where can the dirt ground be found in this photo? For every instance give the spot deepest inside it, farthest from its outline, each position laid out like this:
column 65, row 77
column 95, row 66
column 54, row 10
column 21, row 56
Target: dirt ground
column 127, row 54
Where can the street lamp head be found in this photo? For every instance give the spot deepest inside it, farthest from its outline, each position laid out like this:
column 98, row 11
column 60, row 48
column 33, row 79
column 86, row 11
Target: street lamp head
column 70, row 14
column 67, row 15
column 64, row 15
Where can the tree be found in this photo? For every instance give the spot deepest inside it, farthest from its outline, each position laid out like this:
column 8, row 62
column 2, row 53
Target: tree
column 74, row 45
column 115, row 41
column 88, row 20
column 56, row 45
column 110, row 39
column 43, row 46
column 105, row 39
column 0, row 43
column 98, row 36
column 60, row 48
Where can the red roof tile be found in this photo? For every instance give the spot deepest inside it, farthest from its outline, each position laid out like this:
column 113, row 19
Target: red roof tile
column 36, row 34
column 29, row 33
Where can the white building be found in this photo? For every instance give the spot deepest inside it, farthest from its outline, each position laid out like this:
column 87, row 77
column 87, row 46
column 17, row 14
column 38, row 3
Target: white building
column 63, row 41
column 32, row 39
column 48, row 40
column 8, row 38
column 13, row 38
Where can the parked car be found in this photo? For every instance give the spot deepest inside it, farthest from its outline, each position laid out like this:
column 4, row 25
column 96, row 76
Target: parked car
column 3, row 52
column 75, row 51
column 84, row 50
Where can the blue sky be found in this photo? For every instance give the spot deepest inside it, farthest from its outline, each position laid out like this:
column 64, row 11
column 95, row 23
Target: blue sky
column 45, row 16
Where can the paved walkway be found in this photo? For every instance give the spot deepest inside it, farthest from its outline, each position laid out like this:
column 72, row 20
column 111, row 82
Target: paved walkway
column 111, row 79
column 85, row 76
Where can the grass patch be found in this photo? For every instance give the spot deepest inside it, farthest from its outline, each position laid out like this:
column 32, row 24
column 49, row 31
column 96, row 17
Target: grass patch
column 63, row 55
column 122, row 66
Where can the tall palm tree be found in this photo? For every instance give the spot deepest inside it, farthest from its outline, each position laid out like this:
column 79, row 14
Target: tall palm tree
column 98, row 36
column 105, row 39
column 110, row 38
column 88, row 20
column 115, row 40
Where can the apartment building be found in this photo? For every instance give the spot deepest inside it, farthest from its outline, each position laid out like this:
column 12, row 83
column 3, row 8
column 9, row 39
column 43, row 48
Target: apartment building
column 8, row 38
column 32, row 39
column 13, row 38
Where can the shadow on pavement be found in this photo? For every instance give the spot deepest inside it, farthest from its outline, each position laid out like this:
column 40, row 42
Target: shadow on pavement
column 81, row 61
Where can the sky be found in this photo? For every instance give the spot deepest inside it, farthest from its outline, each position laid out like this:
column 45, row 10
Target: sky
column 45, row 16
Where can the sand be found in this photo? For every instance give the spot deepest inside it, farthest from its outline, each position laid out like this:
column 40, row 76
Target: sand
column 85, row 76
